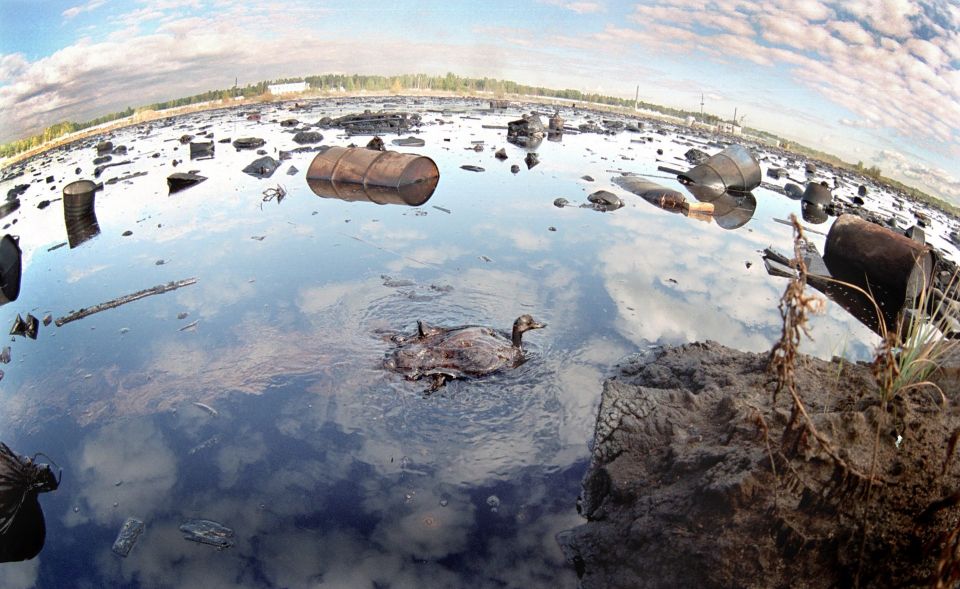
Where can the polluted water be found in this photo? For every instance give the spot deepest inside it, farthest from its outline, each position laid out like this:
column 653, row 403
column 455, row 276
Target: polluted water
column 246, row 379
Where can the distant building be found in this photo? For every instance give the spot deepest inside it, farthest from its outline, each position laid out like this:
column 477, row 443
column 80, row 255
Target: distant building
column 729, row 128
column 289, row 88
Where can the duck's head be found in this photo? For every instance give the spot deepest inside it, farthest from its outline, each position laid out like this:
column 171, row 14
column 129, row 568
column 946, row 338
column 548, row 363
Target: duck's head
column 522, row 324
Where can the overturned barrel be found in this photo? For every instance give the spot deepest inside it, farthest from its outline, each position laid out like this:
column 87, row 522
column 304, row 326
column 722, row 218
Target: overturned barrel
column 890, row 266
column 661, row 196
column 377, row 176
column 732, row 170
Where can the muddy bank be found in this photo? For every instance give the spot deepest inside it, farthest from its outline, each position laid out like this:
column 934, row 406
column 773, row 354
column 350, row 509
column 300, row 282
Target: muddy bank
column 681, row 493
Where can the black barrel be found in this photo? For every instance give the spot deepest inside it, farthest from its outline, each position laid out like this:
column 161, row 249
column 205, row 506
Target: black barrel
column 10, row 269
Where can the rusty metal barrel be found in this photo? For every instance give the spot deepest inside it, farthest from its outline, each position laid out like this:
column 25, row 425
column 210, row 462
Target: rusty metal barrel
column 663, row 197
column 891, row 266
column 78, row 199
column 732, row 170
column 556, row 123
column 10, row 269
column 817, row 194
column 382, row 177
column 79, row 214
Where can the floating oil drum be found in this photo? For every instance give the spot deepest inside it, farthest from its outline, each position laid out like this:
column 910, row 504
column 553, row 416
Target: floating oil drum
column 10, row 269
column 382, row 177
column 79, row 215
column 652, row 192
column 812, row 213
column 556, row 122
column 78, row 199
column 732, row 170
column 817, row 194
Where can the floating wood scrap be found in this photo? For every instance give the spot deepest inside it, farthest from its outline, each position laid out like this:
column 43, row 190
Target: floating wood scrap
column 159, row 289
column 805, row 228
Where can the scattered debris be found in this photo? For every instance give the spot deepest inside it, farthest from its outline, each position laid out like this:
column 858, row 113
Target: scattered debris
column 263, row 167
column 206, row 531
column 376, row 144
column 25, row 327
column 274, row 193
column 189, row 325
column 248, row 143
column 604, row 200
column 531, row 160
column 204, row 406
column 202, row 151
column 526, row 130
column 305, row 137
column 471, row 168
column 159, row 289
column 183, row 180
column 5, row 355
column 561, row 202
column 129, row 533
column 212, row 441
column 369, row 123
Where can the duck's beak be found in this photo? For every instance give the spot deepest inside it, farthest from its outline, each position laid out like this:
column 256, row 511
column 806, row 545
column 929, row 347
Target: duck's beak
column 536, row 325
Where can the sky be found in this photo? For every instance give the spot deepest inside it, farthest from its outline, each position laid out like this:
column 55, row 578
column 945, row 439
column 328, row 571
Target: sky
column 876, row 81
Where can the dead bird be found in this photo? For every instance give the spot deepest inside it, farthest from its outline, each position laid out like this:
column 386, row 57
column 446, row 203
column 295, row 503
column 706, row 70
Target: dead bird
column 470, row 351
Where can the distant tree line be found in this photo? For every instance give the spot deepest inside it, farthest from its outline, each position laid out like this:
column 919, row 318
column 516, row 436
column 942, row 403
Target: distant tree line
column 447, row 83
column 351, row 83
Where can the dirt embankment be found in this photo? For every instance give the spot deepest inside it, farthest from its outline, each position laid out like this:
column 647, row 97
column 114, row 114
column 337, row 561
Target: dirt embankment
column 681, row 491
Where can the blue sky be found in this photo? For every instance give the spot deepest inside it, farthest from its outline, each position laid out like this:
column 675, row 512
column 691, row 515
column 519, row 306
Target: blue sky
column 870, row 80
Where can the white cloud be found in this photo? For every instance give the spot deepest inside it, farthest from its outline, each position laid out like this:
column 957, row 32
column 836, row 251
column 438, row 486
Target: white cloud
column 88, row 7
column 578, row 7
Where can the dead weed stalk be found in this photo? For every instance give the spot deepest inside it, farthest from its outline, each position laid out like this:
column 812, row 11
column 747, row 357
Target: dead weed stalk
column 795, row 306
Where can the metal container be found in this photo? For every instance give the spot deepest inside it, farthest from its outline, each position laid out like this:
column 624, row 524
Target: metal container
column 817, row 194
column 812, row 213
column 733, row 212
column 732, row 170
column 556, row 123
column 663, row 197
column 10, row 269
column 412, row 195
column 375, row 176
column 891, row 266
column 78, row 199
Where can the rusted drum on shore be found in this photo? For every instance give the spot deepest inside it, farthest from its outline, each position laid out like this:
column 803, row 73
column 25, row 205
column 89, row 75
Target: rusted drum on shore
column 891, row 266
column 353, row 173
column 732, row 170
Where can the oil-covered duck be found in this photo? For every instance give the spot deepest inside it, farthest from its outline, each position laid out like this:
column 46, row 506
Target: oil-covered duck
column 447, row 353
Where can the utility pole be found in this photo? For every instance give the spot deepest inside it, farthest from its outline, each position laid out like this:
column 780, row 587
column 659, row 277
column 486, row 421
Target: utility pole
column 701, row 107
column 636, row 99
